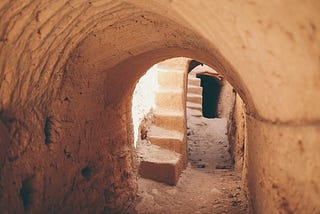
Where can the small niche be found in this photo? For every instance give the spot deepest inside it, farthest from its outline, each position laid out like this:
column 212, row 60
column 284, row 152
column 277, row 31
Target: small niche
column 86, row 172
column 46, row 129
column 26, row 193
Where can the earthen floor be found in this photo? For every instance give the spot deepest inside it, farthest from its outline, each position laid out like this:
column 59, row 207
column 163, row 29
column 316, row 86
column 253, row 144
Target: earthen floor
column 207, row 185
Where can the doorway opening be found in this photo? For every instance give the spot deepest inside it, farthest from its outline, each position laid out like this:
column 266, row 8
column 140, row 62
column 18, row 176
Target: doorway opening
column 209, row 104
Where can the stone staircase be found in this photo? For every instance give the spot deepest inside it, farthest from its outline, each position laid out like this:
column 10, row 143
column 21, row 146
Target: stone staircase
column 159, row 164
column 194, row 95
column 165, row 156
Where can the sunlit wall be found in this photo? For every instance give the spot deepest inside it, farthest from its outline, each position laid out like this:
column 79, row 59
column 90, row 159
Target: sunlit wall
column 143, row 99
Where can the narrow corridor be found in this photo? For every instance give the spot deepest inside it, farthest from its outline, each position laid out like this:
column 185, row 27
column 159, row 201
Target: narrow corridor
column 208, row 185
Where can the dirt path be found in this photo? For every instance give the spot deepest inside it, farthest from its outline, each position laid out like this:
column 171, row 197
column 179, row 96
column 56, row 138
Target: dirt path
column 208, row 185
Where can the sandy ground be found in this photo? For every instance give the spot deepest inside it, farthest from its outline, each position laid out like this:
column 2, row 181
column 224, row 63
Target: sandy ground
column 208, row 185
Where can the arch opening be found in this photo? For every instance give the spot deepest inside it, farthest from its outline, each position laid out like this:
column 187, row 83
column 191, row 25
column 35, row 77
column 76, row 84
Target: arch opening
column 89, row 107
column 206, row 140
column 108, row 89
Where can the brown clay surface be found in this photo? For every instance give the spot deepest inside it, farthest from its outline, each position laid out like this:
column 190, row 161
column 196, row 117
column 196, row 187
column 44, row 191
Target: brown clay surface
column 208, row 185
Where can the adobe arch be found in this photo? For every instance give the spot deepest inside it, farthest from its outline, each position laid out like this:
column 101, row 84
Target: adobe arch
column 101, row 74
column 74, row 64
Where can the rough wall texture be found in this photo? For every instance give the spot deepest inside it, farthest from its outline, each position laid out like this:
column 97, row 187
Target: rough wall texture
column 290, row 153
column 67, row 75
column 237, row 136
column 237, row 132
column 143, row 100
column 226, row 100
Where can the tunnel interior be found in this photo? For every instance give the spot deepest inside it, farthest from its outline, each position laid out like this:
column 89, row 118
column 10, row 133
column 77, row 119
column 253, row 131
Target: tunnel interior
column 68, row 72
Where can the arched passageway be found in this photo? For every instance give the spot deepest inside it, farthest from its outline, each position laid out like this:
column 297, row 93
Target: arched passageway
column 208, row 183
column 65, row 113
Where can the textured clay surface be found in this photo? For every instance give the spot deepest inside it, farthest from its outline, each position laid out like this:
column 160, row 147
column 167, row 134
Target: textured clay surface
column 67, row 74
